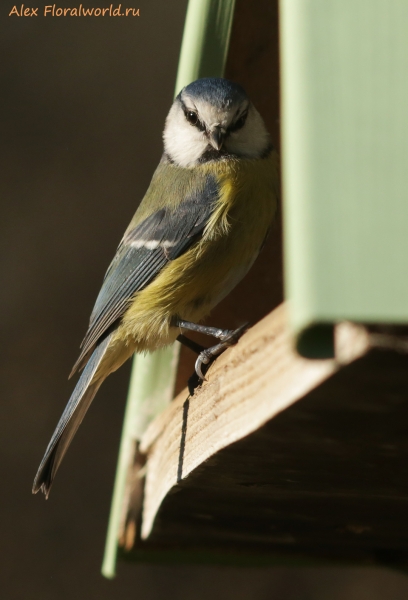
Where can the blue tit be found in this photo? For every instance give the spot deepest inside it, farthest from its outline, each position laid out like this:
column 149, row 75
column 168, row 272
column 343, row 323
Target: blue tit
column 196, row 233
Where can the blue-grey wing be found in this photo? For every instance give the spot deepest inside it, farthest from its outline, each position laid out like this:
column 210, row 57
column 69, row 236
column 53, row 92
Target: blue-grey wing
column 142, row 254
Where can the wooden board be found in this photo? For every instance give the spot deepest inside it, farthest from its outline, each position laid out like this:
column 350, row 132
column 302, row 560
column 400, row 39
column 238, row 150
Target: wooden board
column 247, row 386
column 282, row 456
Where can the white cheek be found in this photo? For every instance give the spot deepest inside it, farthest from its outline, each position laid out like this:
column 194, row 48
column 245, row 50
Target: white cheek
column 250, row 141
column 183, row 142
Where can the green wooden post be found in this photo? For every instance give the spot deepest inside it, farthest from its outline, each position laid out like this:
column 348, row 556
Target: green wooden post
column 203, row 53
column 344, row 158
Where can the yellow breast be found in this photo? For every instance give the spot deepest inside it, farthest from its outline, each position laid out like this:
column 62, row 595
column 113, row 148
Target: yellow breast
column 191, row 285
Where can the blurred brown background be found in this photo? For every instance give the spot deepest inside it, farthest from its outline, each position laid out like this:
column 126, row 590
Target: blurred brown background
column 83, row 106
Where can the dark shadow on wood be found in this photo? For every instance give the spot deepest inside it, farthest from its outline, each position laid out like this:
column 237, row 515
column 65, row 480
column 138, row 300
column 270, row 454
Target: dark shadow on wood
column 186, row 406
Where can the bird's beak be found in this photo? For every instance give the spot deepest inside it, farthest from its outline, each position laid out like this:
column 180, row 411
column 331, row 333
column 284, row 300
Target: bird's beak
column 217, row 137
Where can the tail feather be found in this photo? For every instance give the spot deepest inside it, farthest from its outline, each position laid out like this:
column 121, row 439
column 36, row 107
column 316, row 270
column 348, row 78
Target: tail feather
column 71, row 419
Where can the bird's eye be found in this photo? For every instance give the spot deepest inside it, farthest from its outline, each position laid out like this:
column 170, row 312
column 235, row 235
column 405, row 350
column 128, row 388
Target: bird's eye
column 239, row 123
column 192, row 117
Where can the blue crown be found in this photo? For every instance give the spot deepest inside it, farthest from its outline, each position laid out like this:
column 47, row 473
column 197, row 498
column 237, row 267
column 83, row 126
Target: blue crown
column 219, row 92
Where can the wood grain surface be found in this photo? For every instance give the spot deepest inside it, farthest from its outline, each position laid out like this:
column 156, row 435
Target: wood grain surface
column 283, row 460
column 247, row 386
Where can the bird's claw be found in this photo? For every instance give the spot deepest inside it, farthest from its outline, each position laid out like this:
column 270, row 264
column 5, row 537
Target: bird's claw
column 206, row 356
column 203, row 359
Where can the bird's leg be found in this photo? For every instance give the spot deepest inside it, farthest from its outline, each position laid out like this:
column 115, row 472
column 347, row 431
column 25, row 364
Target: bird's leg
column 228, row 337
column 213, row 331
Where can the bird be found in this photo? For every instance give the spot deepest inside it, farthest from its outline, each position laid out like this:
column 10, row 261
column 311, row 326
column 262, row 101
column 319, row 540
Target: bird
column 196, row 233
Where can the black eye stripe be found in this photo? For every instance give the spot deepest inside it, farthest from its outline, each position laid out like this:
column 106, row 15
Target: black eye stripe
column 193, row 120
column 239, row 123
column 196, row 123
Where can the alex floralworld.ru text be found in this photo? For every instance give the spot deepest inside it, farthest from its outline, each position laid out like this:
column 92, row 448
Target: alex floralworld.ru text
column 79, row 11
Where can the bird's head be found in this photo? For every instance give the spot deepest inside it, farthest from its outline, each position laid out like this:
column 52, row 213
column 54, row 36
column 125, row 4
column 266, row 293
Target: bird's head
column 212, row 118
